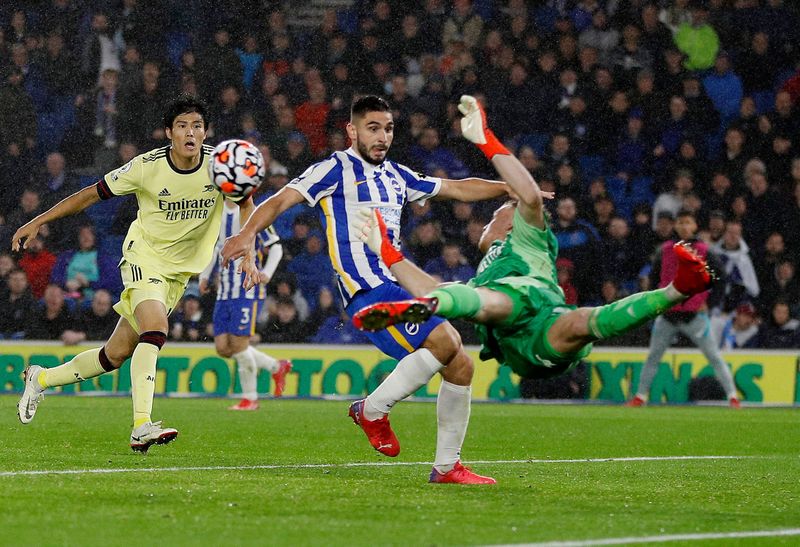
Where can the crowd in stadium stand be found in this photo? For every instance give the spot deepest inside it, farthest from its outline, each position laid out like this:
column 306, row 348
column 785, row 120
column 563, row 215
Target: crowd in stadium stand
column 629, row 110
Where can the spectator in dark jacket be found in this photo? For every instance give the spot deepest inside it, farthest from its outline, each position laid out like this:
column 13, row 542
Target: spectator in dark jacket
column 17, row 304
column 52, row 318
column 782, row 331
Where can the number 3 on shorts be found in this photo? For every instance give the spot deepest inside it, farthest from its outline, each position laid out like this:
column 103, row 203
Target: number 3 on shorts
column 245, row 316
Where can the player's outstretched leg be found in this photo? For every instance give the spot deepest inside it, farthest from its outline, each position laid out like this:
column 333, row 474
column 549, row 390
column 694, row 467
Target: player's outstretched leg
column 381, row 315
column 379, row 432
column 32, row 396
column 150, row 433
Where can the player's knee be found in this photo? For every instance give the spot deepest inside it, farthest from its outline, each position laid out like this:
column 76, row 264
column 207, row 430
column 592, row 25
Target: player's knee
column 444, row 342
column 460, row 369
column 111, row 357
column 224, row 350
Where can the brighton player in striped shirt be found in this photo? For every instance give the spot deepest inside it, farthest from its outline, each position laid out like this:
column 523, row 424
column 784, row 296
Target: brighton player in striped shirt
column 237, row 308
column 171, row 240
column 338, row 187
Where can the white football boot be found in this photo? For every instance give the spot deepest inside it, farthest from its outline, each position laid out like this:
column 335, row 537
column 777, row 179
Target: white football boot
column 32, row 396
column 150, row 433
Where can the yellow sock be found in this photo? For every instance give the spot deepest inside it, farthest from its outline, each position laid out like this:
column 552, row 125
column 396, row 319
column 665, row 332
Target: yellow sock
column 143, row 381
column 82, row 367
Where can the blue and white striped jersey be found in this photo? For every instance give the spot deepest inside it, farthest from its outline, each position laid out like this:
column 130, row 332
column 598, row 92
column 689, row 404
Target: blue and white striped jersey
column 230, row 282
column 342, row 184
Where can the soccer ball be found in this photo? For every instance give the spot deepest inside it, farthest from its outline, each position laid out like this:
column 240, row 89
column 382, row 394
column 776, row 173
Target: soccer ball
column 236, row 168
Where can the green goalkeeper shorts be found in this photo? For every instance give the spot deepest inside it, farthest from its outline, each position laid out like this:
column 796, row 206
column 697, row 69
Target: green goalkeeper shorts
column 522, row 343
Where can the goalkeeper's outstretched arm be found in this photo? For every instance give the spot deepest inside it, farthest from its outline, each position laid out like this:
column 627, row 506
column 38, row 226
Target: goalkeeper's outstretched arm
column 475, row 129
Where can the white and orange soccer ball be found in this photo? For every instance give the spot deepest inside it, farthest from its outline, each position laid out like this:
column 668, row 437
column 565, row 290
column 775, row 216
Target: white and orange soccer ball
column 236, row 168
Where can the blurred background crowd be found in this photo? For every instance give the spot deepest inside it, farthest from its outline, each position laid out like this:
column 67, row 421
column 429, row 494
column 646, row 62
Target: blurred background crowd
column 629, row 110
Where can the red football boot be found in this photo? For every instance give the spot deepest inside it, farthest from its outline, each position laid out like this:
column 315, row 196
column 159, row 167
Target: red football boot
column 379, row 432
column 636, row 402
column 279, row 377
column 460, row 475
column 245, row 404
column 693, row 275
column 734, row 402
column 380, row 315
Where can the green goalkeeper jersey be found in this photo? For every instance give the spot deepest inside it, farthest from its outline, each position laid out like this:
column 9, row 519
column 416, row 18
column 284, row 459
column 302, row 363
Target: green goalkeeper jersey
column 524, row 268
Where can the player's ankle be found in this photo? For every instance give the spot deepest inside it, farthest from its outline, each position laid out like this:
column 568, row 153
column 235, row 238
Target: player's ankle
column 370, row 412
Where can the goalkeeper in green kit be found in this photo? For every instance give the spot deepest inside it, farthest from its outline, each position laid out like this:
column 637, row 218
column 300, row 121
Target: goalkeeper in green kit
column 515, row 301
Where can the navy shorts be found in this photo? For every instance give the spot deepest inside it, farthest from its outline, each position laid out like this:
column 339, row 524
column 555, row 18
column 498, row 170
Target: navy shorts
column 399, row 340
column 237, row 316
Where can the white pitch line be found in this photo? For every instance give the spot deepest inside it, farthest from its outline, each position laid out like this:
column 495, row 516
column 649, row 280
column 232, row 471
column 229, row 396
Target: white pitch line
column 103, row 471
column 663, row 538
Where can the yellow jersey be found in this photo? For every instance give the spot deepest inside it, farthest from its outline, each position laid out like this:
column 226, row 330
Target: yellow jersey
column 179, row 216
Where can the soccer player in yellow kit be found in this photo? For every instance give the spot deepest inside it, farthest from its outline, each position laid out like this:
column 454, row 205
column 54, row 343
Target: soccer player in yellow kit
column 172, row 239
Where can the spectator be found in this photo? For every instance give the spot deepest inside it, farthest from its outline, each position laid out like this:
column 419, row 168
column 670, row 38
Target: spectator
column 52, row 318
column 781, row 285
column 80, row 272
column 600, row 36
column 312, row 266
column 53, row 185
column 298, row 156
column 37, row 262
column 95, row 323
column 781, row 331
column 285, row 286
column 188, row 324
column 30, row 205
column 326, row 307
column 451, row 266
column 251, row 58
column 18, row 306
column 228, row 115
column 757, row 65
column 724, row 87
column 656, row 36
column 7, row 265
column 739, row 330
column 99, row 50
column 219, row 65
column 463, row 24
column 697, row 39
column 628, row 58
column 741, row 283
column 139, row 119
column 428, row 155
column 621, row 264
column 312, row 117
column 285, row 327
column 579, row 242
column 425, row 243
column 672, row 201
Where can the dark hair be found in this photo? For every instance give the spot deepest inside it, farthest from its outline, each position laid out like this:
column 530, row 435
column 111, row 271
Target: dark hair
column 368, row 103
column 686, row 213
column 183, row 104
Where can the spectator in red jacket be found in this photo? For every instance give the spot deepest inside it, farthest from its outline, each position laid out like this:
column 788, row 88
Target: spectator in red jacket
column 37, row 262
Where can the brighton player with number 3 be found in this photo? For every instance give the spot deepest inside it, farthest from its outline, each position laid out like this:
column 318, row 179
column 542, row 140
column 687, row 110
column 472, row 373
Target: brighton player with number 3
column 237, row 308
column 171, row 240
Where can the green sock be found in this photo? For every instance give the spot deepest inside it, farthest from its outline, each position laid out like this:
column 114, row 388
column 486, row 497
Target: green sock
column 630, row 312
column 83, row 366
column 457, row 301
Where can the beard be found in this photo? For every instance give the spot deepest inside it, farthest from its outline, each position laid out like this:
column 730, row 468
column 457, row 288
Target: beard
column 363, row 151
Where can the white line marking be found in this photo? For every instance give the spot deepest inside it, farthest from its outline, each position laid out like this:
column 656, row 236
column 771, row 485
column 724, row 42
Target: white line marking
column 663, row 539
column 102, row 471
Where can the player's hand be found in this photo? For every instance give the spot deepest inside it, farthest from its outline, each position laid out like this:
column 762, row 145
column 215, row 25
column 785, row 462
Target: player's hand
column 236, row 247
column 202, row 286
column 473, row 124
column 373, row 232
column 27, row 232
column 252, row 275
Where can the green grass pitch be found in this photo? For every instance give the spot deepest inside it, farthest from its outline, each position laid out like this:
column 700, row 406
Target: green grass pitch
column 284, row 475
